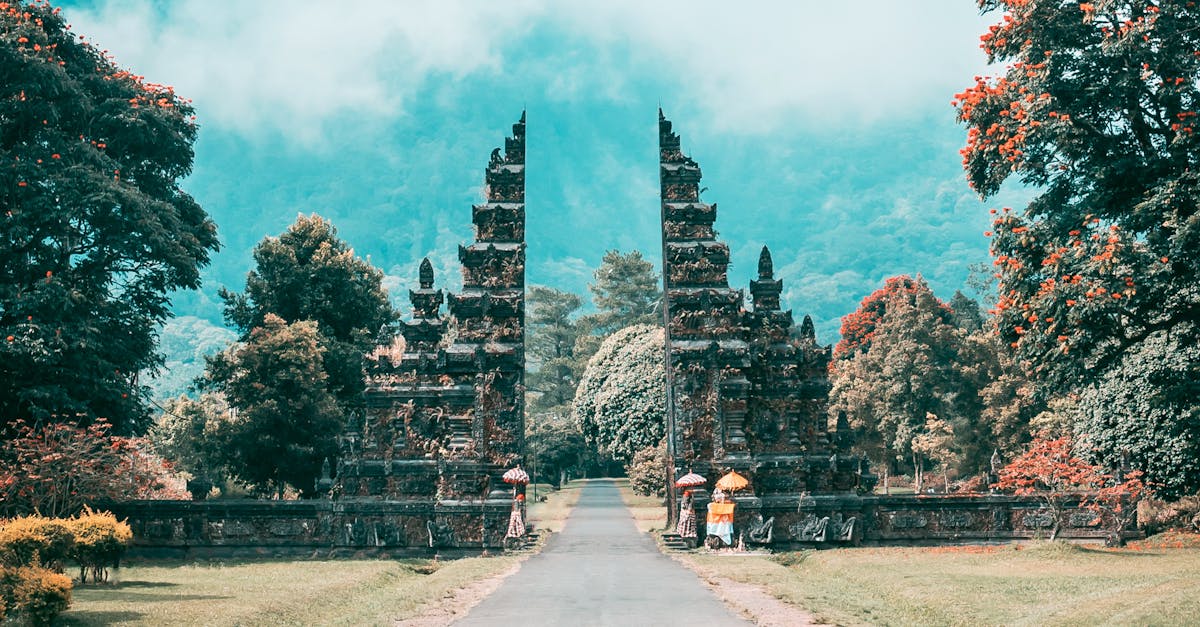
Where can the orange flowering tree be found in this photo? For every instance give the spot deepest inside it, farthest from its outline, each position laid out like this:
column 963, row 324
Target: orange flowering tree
column 899, row 360
column 1051, row 470
column 1097, row 111
column 57, row 469
column 94, row 229
column 858, row 326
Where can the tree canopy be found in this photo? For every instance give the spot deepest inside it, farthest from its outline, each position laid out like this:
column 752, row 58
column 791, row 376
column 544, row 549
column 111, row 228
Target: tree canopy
column 553, row 333
column 626, row 292
column 96, row 230
column 1097, row 111
column 287, row 420
column 308, row 273
column 621, row 400
column 900, row 366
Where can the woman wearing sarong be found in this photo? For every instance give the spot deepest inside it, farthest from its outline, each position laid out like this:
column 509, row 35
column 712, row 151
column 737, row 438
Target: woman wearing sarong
column 687, row 516
column 516, row 522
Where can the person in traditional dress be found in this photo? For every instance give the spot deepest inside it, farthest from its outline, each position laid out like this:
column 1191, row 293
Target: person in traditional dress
column 516, row 522
column 719, row 522
column 687, row 516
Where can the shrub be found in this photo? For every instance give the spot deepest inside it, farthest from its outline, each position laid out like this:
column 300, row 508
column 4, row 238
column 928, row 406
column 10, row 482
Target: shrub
column 55, row 469
column 100, row 541
column 647, row 471
column 1155, row 516
column 35, row 541
column 36, row 594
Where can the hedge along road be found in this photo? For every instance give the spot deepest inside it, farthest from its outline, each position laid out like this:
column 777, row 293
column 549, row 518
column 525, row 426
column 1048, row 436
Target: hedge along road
column 601, row 571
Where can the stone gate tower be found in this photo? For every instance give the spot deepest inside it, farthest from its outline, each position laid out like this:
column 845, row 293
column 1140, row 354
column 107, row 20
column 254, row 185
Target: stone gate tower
column 747, row 393
column 444, row 419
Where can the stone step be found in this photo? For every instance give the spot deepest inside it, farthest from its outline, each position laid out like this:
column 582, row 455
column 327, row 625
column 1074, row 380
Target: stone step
column 675, row 542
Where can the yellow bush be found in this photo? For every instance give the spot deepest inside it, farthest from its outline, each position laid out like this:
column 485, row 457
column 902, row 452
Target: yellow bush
column 35, row 541
column 100, row 541
column 36, row 594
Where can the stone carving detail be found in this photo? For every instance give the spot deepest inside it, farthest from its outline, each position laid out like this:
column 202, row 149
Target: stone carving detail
column 1038, row 520
column 810, row 529
column 1000, row 520
column 908, row 520
column 1084, row 519
column 441, row 534
column 825, row 528
column 760, row 531
column 955, row 520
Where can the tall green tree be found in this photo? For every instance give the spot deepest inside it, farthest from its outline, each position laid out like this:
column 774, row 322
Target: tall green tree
column 287, row 419
column 554, row 438
column 553, row 331
column 1097, row 109
column 96, row 231
column 626, row 292
column 899, row 365
column 186, row 433
column 308, row 273
column 1144, row 414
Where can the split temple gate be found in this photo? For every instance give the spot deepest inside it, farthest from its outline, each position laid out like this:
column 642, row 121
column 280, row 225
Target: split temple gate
column 420, row 463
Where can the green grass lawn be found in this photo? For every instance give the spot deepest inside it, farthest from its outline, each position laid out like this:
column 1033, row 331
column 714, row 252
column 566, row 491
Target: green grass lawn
column 341, row 592
column 1039, row 584
column 300, row 592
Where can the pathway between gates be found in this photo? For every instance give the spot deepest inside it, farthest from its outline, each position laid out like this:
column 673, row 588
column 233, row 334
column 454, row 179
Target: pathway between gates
column 601, row 571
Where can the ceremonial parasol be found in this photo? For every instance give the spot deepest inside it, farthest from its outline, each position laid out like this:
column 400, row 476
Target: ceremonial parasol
column 516, row 476
column 732, row 482
column 690, row 480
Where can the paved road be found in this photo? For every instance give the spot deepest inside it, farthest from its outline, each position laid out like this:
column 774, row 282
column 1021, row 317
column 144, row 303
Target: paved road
column 601, row 571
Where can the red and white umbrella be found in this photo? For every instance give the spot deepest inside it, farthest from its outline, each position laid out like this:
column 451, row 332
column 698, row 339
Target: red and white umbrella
column 516, row 476
column 690, row 480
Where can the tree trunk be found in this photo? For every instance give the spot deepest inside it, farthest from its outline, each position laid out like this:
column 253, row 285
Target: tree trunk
column 887, row 487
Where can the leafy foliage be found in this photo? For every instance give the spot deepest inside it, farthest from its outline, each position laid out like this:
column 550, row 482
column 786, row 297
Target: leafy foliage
column 621, row 400
column 33, row 593
column 1144, row 413
column 100, row 541
column 96, row 231
column 1051, row 470
column 287, row 419
column 308, row 273
column 188, row 433
column 552, row 335
column 647, row 471
column 36, row 540
column 554, row 444
column 898, row 364
column 626, row 291
column 1097, row 109
column 58, row 468
column 858, row 327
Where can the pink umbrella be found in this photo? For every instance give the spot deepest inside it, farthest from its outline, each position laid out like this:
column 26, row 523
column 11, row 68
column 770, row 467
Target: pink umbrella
column 516, row 476
column 690, row 480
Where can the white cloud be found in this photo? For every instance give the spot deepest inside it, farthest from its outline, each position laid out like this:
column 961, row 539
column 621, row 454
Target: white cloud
column 289, row 66
column 755, row 66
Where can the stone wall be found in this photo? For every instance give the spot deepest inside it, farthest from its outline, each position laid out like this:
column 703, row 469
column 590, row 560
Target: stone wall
column 848, row 520
column 316, row 528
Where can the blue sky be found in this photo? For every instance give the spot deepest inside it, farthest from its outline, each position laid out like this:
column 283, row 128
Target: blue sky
column 824, row 129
